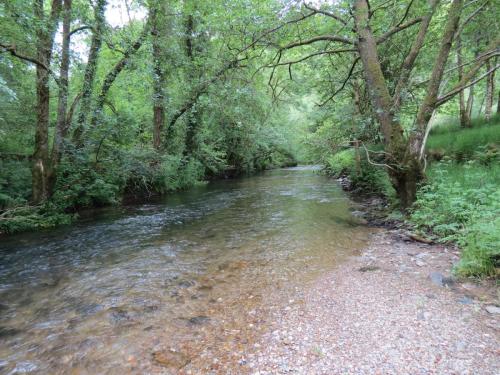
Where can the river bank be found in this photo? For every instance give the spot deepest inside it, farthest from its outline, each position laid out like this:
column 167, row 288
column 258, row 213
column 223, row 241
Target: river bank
column 392, row 309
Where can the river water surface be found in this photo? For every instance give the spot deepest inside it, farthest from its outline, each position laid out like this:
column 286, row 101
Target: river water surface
column 197, row 276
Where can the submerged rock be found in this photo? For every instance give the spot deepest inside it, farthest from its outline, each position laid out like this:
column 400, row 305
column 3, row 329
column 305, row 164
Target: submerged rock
column 6, row 331
column 171, row 358
column 439, row 279
column 118, row 315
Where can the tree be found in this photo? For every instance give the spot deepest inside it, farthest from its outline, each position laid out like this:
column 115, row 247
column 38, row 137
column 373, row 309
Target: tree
column 44, row 44
column 404, row 154
column 62, row 124
column 159, row 29
column 90, row 70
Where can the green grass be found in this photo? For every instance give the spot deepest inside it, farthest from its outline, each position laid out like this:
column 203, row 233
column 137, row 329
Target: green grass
column 462, row 144
column 453, row 126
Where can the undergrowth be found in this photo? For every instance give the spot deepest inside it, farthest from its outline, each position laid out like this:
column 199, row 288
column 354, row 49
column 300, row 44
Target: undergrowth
column 461, row 203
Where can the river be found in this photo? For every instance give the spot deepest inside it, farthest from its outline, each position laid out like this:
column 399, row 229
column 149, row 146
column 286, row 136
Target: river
column 199, row 274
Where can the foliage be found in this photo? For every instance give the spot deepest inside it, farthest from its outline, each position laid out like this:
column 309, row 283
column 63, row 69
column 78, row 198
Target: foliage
column 23, row 218
column 462, row 203
column 365, row 178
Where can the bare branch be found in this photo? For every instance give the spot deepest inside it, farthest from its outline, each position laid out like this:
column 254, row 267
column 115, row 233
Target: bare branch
column 407, row 11
column 274, row 29
column 490, row 54
column 326, row 52
column 471, row 16
column 344, row 83
column 371, row 162
column 81, row 28
column 11, row 48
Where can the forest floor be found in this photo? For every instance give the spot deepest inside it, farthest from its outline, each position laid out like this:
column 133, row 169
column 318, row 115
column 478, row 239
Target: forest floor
column 393, row 309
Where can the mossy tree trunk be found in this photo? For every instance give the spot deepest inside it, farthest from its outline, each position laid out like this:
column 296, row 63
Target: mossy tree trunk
column 62, row 105
column 158, row 37
column 44, row 45
column 403, row 155
column 90, row 71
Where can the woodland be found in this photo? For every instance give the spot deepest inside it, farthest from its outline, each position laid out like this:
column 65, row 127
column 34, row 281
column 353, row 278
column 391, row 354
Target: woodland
column 399, row 96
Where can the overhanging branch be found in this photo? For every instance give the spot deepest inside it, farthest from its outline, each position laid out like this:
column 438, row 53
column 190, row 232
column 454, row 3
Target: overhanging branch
column 11, row 48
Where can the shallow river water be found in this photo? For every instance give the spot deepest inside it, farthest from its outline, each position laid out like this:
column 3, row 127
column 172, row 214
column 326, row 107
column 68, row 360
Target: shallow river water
column 198, row 275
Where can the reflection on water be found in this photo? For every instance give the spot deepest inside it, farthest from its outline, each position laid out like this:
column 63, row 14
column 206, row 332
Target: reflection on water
column 197, row 273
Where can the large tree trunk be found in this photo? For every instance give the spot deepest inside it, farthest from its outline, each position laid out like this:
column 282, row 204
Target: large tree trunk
column 61, row 124
column 413, row 172
column 404, row 175
column 45, row 41
column 159, row 76
column 403, row 157
column 410, row 59
column 90, row 70
column 490, row 89
column 429, row 104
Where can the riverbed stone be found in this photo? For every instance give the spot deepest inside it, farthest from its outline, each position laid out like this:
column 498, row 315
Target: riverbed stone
column 492, row 309
column 368, row 268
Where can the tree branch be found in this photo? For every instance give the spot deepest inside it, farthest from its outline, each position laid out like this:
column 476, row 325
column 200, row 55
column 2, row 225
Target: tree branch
column 450, row 94
column 344, row 83
column 331, row 38
column 407, row 11
column 81, row 28
column 397, row 29
column 326, row 52
column 11, row 48
column 326, row 13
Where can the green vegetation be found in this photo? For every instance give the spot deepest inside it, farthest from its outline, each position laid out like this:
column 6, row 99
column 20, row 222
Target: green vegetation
column 462, row 144
column 461, row 203
column 460, row 200
column 366, row 178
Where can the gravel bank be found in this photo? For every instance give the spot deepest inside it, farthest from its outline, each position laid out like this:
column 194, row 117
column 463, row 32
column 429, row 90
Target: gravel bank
column 392, row 310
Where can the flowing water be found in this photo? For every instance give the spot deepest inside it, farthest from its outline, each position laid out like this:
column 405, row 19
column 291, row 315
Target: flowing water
column 198, row 275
